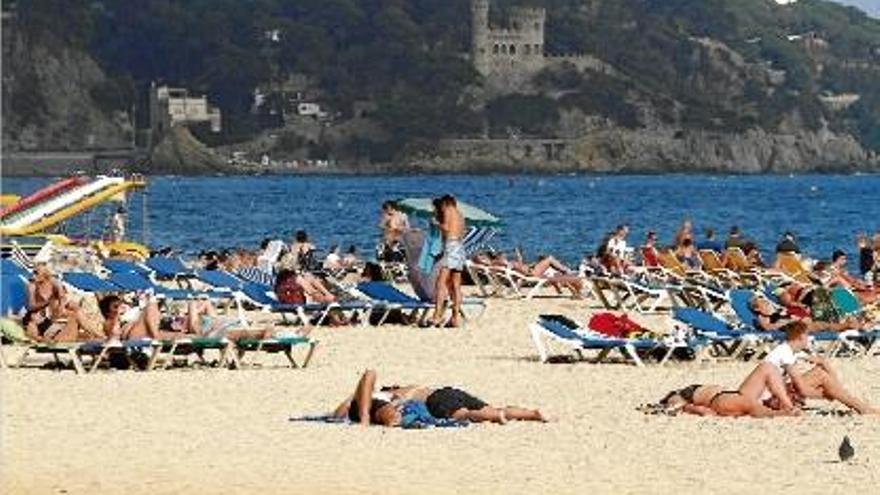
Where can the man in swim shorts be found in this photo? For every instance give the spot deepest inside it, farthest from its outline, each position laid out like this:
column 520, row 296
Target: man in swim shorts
column 452, row 227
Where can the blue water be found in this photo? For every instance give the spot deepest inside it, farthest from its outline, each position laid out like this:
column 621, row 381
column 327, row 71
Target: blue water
column 563, row 215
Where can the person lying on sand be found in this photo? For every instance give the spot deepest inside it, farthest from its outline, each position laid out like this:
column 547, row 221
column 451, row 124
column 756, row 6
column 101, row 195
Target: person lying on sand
column 818, row 382
column 714, row 400
column 369, row 406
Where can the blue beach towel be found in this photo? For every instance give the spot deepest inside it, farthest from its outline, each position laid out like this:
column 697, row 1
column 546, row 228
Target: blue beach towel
column 415, row 416
column 431, row 249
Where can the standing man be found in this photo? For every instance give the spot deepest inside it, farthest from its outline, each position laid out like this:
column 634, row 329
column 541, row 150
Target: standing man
column 451, row 223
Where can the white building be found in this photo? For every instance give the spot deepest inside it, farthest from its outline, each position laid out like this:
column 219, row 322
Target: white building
column 173, row 106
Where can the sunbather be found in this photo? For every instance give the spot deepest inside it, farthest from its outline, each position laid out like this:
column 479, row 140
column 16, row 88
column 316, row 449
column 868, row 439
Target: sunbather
column 51, row 316
column 819, row 382
column 383, row 407
column 200, row 318
column 770, row 317
column 714, row 400
column 838, row 275
column 685, row 232
column 687, row 254
column 125, row 322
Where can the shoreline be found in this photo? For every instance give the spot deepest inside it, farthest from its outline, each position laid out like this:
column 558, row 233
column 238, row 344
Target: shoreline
column 402, row 172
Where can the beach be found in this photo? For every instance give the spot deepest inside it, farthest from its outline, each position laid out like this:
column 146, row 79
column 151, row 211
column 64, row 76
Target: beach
column 214, row 430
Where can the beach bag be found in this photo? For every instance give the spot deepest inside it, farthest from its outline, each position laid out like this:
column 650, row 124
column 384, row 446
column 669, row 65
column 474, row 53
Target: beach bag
column 288, row 290
column 823, row 308
column 614, row 326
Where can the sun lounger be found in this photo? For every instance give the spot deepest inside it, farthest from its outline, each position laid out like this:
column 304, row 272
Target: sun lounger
column 263, row 297
column 740, row 301
column 100, row 351
column 135, row 282
column 564, row 331
column 274, row 345
column 125, row 266
column 88, row 282
column 168, row 268
column 791, row 265
column 198, row 346
column 395, row 299
column 724, row 339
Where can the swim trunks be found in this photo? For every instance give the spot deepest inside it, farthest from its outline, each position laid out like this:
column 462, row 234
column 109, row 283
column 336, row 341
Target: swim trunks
column 454, row 255
column 354, row 413
column 444, row 402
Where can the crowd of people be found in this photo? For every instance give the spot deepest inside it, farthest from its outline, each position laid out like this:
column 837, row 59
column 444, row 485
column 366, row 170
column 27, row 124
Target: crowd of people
column 299, row 273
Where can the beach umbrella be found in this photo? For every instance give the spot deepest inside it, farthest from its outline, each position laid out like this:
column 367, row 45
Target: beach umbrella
column 425, row 208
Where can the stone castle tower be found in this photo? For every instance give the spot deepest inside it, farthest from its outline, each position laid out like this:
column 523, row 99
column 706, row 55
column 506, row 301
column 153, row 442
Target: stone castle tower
column 508, row 56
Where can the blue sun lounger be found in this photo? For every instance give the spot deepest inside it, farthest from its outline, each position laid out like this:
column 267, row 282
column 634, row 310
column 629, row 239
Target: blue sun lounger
column 562, row 330
column 125, row 266
column 716, row 334
column 264, row 297
column 391, row 298
column 740, row 301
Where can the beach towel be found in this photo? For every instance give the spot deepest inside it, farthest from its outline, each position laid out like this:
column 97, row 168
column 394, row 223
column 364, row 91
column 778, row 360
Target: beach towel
column 432, row 248
column 616, row 326
column 266, row 261
column 414, row 416
column 12, row 331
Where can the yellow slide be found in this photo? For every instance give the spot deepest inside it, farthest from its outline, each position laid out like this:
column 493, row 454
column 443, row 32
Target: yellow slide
column 74, row 209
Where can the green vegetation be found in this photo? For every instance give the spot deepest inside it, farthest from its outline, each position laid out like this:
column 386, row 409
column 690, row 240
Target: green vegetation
column 407, row 56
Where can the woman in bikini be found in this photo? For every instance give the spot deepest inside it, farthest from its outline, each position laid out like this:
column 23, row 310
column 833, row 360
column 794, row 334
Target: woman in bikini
column 714, row 400
column 770, row 317
column 50, row 316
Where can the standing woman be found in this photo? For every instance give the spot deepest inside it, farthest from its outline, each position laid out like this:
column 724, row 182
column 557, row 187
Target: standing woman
column 452, row 226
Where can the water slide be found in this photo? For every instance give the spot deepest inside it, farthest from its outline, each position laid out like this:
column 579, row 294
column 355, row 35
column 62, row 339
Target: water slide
column 41, row 195
column 62, row 204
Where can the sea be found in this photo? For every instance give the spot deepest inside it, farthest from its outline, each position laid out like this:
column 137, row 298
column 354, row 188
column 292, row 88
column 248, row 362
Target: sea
column 563, row 215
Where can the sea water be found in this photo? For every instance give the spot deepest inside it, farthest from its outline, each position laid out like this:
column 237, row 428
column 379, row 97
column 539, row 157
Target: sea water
column 564, row 215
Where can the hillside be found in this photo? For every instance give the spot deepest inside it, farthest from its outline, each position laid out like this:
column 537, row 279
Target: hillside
column 733, row 85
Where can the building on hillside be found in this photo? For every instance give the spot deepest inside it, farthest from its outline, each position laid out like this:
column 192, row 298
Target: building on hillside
column 174, row 106
column 509, row 56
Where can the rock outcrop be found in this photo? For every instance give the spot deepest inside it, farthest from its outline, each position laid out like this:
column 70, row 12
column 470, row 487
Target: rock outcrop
column 618, row 150
column 179, row 152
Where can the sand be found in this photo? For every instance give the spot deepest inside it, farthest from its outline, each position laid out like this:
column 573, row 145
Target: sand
column 221, row 431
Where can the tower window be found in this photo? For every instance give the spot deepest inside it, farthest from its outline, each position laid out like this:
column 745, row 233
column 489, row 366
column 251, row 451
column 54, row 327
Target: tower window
column 516, row 26
column 537, row 26
column 495, row 49
column 537, row 48
column 513, row 49
column 528, row 49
